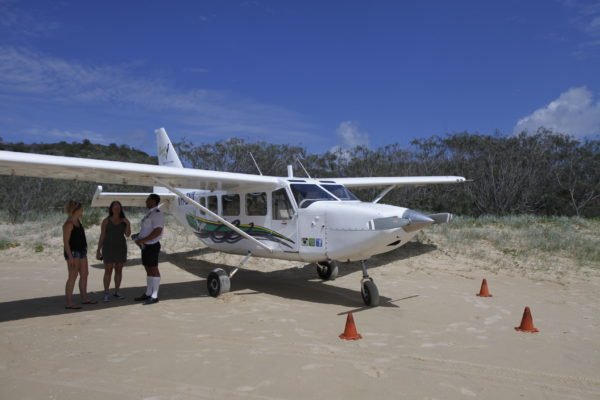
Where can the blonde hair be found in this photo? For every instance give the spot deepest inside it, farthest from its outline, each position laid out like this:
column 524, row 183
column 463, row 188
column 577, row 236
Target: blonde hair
column 72, row 206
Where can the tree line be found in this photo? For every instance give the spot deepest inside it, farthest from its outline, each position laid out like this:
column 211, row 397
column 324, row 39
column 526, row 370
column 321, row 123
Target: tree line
column 544, row 173
column 24, row 197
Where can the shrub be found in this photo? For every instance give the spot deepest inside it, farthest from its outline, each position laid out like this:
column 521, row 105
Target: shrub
column 7, row 244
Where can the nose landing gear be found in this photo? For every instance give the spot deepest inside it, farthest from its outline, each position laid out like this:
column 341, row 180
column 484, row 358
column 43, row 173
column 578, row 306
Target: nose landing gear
column 369, row 291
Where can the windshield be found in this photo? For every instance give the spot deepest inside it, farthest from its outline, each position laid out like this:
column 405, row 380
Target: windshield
column 341, row 192
column 307, row 194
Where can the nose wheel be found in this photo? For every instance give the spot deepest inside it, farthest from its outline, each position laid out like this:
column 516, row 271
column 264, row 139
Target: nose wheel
column 368, row 291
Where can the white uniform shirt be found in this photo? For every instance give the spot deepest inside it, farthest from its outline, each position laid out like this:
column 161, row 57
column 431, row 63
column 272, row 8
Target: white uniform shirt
column 154, row 219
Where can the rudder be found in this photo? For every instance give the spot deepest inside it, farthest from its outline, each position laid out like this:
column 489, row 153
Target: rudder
column 166, row 153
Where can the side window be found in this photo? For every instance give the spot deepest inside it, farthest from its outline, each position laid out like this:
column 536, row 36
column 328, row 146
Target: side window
column 282, row 208
column 202, row 202
column 231, row 204
column 256, row 203
column 213, row 204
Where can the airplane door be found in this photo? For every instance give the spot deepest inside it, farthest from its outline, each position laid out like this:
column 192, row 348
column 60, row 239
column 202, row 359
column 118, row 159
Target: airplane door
column 312, row 231
column 284, row 222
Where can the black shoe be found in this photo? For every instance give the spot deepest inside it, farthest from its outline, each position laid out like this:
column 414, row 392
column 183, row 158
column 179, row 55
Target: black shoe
column 142, row 297
column 151, row 300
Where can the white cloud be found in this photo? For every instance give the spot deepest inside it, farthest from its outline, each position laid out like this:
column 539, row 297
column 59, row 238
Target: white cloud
column 351, row 134
column 574, row 112
column 586, row 19
column 28, row 74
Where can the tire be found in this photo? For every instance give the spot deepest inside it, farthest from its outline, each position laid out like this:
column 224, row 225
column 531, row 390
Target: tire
column 218, row 282
column 327, row 270
column 370, row 293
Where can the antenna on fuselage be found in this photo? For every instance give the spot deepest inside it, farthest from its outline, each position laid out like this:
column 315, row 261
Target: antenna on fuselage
column 305, row 171
column 255, row 163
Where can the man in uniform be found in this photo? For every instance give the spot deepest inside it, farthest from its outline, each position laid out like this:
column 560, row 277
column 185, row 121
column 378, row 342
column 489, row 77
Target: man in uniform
column 149, row 241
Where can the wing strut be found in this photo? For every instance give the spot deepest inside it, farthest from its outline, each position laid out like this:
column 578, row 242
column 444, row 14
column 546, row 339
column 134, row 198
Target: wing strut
column 188, row 200
column 382, row 194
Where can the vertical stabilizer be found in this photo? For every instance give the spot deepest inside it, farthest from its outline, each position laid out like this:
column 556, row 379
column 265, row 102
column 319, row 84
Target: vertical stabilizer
column 166, row 153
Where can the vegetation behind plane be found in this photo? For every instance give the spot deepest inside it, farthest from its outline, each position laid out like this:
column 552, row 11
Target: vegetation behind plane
column 24, row 198
column 545, row 173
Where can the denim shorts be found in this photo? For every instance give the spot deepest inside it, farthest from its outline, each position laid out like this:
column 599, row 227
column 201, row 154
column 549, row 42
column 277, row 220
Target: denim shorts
column 76, row 254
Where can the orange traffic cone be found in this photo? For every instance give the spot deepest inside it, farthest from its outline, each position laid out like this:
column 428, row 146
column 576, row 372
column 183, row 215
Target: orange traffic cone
column 350, row 331
column 484, row 292
column 527, row 323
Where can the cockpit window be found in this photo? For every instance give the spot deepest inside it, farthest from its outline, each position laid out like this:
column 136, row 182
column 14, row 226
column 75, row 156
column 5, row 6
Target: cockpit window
column 305, row 195
column 341, row 192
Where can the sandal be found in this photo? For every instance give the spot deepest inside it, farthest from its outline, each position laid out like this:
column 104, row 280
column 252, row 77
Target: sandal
column 73, row 307
column 89, row 302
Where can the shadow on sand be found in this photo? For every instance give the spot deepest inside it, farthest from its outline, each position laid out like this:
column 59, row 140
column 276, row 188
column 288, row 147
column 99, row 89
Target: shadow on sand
column 296, row 283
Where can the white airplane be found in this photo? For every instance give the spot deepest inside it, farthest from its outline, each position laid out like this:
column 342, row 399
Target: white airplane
column 301, row 219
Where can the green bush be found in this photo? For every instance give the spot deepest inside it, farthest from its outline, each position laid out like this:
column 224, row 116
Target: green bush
column 92, row 216
column 7, row 244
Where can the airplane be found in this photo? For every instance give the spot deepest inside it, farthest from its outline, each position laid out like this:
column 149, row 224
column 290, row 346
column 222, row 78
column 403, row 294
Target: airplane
column 305, row 219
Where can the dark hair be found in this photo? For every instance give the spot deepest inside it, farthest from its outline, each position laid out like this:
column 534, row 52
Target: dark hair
column 155, row 197
column 110, row 213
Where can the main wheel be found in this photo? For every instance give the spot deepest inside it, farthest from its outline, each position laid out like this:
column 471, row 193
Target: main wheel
column 218, row 282
column 369, row 293
column 327, row 270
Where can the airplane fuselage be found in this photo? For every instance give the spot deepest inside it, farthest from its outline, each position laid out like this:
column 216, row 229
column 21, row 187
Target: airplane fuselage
column 301, row 220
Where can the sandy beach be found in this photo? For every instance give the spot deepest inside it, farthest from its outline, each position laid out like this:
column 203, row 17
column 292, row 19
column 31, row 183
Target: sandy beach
column 275, row 336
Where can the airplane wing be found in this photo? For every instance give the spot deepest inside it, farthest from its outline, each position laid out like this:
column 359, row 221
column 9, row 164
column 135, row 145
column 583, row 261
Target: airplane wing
column 398, row 181
column 124, row 173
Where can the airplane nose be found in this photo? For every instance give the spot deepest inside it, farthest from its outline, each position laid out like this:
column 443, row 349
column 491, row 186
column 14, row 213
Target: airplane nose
column 417, row 220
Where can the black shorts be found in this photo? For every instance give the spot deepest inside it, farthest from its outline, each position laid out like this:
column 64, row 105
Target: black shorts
column 150, row 255
column 76, row 254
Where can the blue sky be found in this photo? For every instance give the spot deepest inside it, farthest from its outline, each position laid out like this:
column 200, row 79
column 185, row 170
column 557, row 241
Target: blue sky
column 316, row 73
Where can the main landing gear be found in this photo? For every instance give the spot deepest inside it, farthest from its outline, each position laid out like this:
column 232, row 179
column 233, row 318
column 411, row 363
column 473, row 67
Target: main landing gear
column 219, row 281
column 368, row 290
column 327, row 270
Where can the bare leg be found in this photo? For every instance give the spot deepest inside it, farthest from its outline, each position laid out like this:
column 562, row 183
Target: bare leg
column 118, row 276
column 70, row 285
column 153, row 271
column 108, row 268
column 83, row 276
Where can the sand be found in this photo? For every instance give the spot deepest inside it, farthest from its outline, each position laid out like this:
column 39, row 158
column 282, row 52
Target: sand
column 275, row 336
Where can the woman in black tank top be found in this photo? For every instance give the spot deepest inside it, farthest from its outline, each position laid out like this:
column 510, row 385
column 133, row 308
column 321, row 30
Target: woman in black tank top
column 75, row 252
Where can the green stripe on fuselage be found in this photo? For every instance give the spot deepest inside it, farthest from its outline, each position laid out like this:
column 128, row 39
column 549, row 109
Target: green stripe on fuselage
column 212, row 226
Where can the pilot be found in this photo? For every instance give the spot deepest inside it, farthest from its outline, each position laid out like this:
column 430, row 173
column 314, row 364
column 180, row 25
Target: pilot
column 149, row 241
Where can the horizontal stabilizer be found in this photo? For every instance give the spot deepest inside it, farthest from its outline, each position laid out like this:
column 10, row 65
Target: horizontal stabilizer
column 103, row 199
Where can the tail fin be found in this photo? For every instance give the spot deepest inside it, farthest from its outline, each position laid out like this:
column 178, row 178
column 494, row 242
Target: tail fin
column 166, row 153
